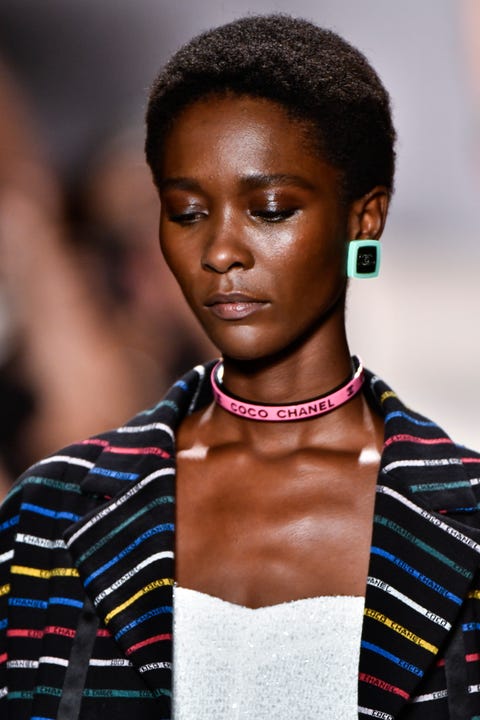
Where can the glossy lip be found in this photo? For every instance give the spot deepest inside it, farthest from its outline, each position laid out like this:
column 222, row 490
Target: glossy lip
column 233, row 306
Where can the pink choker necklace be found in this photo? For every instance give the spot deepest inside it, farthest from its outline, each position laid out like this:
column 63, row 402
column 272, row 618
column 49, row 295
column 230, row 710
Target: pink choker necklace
column 290, row 411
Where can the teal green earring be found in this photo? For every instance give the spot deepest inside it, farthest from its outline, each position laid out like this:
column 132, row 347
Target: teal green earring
column 363, row 258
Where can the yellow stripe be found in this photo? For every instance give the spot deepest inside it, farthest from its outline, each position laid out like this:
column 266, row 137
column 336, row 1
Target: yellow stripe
column 387, row 394
column 4, row 589
column 408, row 634
column 475, row 594
column 44, row 574
column 148, row 588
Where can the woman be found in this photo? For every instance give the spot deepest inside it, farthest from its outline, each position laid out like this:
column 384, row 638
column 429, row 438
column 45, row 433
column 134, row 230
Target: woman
column 307, row 497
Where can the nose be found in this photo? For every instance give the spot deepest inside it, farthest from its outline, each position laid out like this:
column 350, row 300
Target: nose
column 226, row 247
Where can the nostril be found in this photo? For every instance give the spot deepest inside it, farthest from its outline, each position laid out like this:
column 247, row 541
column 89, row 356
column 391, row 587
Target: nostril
column 225, row 254
column 220, row 264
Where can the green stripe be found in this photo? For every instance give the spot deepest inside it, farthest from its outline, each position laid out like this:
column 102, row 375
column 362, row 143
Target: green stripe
column 20, row 695
column 113, row 693
column 89, row 693
column 158, row 501
column 47, row 690
column 163, row 403
column 46, row 482
column 420, row 544
column 432, row 487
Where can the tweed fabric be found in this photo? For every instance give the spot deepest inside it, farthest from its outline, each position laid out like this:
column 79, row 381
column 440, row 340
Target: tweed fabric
column 95, row 524
column 281, row 661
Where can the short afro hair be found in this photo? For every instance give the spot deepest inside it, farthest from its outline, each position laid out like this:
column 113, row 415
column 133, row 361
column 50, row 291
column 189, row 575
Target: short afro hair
column 313, row 73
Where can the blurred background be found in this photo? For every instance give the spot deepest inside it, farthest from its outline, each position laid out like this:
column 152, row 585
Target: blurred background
column 92, row 327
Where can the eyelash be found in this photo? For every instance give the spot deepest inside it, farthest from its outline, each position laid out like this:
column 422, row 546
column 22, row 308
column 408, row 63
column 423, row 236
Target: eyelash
column 268, row 216
column 188, row 218
column 274, row 216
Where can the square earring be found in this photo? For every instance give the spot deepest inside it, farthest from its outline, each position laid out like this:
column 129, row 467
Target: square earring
column 363, row 258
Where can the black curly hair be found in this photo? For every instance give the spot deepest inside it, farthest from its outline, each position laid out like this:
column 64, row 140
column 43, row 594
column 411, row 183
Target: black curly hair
column 313, row 73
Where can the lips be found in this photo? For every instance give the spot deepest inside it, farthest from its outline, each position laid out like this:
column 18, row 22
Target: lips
column 234, row 306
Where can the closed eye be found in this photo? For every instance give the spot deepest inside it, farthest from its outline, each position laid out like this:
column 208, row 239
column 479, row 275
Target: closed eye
column 186, row 218
column 273, row 216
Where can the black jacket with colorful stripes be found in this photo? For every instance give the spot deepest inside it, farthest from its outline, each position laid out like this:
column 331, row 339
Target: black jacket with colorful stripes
column 86, row 573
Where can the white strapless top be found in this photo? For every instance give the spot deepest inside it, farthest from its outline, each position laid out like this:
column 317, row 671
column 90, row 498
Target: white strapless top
column 294, row 660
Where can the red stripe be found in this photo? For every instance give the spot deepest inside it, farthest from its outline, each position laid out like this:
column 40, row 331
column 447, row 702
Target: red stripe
column 417, row 440
column 383, row 685
column 25, row 632
column 57, row 630
column 471, row 460
column 103, row 632
column 148, row 641
column 3, row 658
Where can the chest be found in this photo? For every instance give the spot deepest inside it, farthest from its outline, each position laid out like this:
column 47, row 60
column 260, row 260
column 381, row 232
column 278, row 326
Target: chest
column 261, row 531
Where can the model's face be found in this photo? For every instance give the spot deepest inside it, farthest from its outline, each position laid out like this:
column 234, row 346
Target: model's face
column 252, row 226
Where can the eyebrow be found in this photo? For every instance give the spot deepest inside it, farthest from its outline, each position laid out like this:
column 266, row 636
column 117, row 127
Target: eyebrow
column 180, row 183
column 258, row 180
column 249, row 182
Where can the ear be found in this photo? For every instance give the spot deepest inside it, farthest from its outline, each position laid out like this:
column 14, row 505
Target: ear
column 367, row 215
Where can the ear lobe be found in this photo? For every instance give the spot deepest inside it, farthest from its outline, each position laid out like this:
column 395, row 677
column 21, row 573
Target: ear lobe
column 368, row 214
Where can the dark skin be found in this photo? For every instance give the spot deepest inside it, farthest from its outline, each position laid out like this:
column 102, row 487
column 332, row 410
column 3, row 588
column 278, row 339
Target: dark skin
column 254, row 229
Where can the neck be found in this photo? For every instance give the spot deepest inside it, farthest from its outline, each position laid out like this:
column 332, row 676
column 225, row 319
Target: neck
column 304, row 372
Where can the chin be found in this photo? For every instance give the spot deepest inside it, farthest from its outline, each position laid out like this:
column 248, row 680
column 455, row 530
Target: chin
column 243, row 344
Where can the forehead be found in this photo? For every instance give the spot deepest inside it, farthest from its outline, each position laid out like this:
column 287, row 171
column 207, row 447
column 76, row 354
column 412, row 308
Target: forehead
column 256, row 134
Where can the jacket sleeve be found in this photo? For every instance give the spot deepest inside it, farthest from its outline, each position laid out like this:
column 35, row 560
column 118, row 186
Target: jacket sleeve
column 9, row 518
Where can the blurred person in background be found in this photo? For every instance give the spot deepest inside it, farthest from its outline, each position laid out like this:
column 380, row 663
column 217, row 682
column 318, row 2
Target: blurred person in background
column 86, row 304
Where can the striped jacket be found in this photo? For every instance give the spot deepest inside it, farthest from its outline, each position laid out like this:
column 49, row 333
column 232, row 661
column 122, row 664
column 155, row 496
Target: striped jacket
column 86, row 563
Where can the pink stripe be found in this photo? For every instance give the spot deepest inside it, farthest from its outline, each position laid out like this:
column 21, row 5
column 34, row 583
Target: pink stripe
column 148, row 641
column 473, row 657
column 383, row 685
column 126, row 450
column 95, row 441
column 471, row 460
column 418, row 440
column 138, row 451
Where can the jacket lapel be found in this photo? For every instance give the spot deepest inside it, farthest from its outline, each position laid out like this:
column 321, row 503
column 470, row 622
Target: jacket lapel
column 124, row 550
column 422, row 560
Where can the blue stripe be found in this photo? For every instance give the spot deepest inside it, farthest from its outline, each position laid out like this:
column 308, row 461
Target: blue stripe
column 181, row 384
column 28, row 602
column 416, row 574
column 50, row 513
column 398, row 661
column 3, row 623
column 40, row 717
column 468, row 627
column 151, row 613
column 142, row 618
column 149, row 533
column 399, row 413
column 10, row 522
column 65, row 601
column 114, row 473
